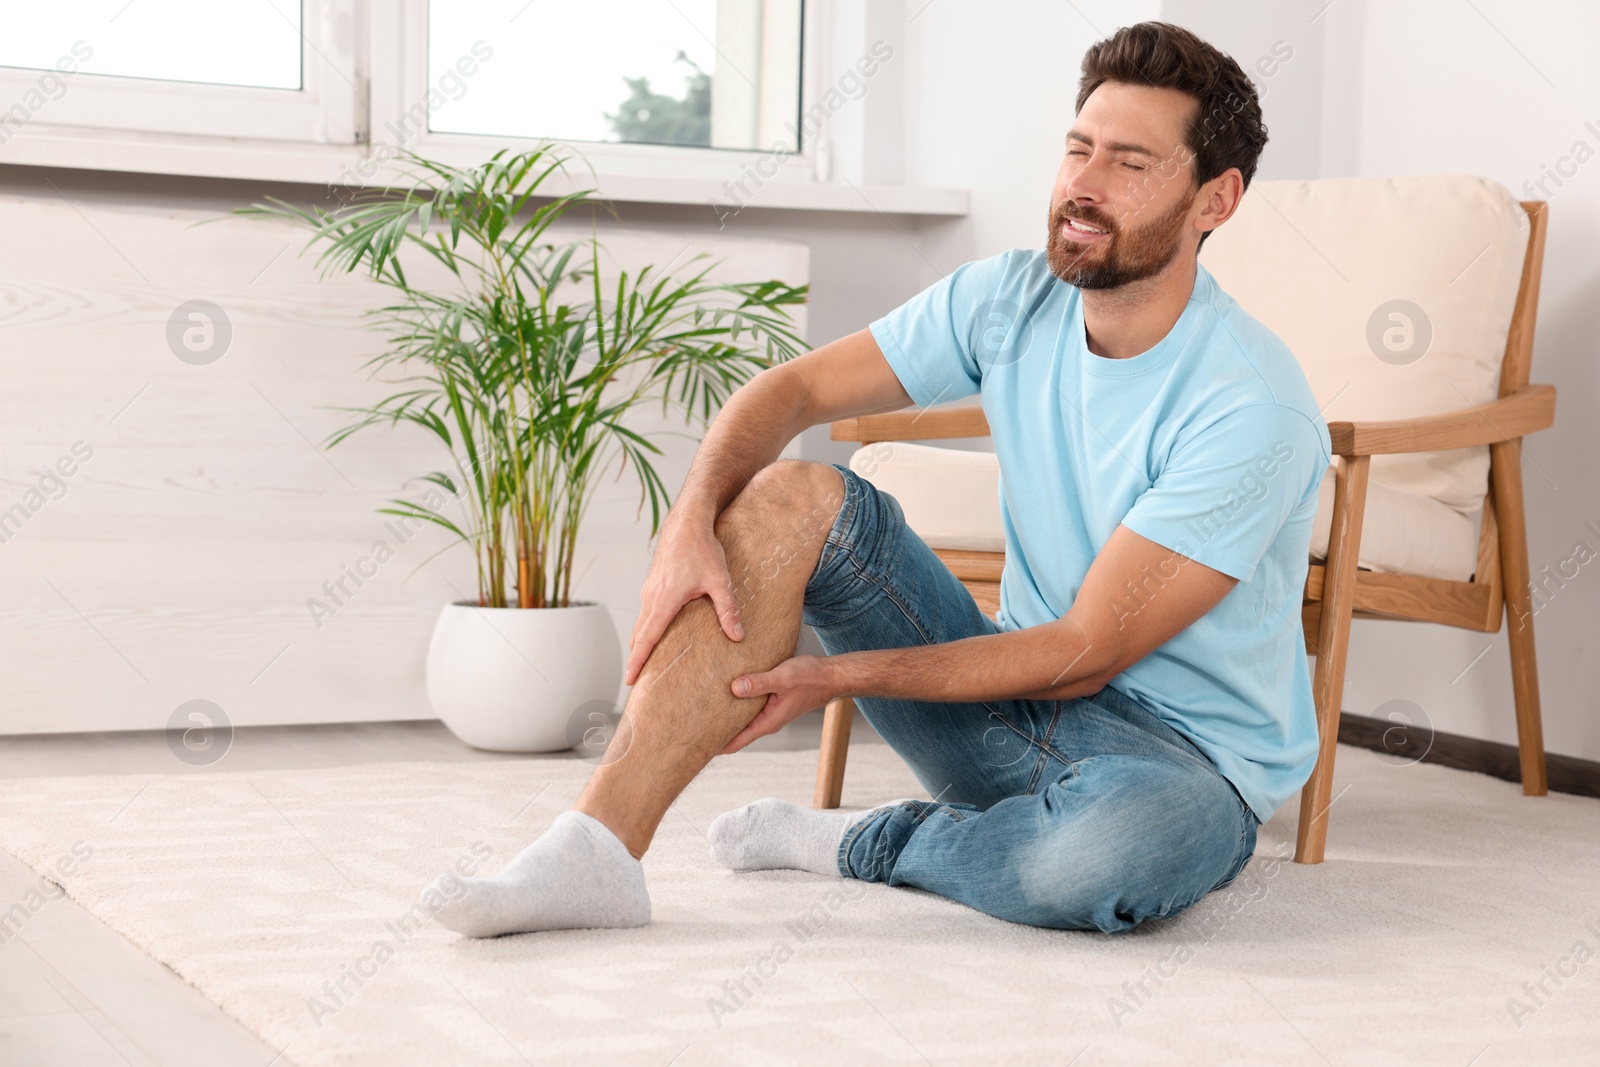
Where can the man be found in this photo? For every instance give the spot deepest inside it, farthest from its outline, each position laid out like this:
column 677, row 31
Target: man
column 1104, row 750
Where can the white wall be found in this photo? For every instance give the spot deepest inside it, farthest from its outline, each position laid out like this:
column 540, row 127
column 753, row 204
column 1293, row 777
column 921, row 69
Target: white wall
column 990, row 96
column 1279, row 43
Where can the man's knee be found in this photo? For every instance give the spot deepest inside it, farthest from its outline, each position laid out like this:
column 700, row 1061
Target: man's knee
column 797, row 482
column 1090, row 889
column 791, row 494
column 1149, row 858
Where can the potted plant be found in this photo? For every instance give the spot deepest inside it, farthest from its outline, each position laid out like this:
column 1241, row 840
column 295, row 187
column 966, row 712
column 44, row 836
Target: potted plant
column 524, row 364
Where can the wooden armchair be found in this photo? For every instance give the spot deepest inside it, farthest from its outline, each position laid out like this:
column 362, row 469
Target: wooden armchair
column 1337, row 590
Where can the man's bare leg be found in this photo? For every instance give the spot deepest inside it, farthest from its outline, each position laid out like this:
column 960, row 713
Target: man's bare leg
column 680, row 711
column 584, row 871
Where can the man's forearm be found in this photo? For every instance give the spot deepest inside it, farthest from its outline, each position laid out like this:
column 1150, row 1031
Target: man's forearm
column 759, row 419
column 1052, row 662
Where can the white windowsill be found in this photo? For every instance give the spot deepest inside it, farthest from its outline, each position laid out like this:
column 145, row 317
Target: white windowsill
column 315, row 164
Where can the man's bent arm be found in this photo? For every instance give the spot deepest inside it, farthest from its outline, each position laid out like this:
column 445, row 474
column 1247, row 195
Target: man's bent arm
column 845, row 377
column 1136, row 596
column 848, row 377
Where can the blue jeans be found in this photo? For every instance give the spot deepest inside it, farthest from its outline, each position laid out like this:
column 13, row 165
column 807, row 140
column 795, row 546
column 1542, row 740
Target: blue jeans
column 1077, row 814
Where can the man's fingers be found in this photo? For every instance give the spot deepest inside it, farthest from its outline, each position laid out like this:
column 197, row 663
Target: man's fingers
column 634, row 658
column 740, row 739
column 727, row 605
column 655, row 625
column 747, row 685
column 760, row 726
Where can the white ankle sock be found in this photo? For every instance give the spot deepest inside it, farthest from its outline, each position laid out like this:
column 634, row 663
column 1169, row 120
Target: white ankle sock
column 773, row 833
column 577, row 875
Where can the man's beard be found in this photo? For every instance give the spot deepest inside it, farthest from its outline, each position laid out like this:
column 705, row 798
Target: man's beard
column 1128, row 253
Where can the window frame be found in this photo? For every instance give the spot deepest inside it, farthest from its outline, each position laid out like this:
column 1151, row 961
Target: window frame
column 410, row 83
column 328, row 108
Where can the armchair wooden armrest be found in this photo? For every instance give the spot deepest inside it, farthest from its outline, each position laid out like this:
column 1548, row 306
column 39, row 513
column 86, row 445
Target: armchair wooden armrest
column 950, row 420
column 1533, row 407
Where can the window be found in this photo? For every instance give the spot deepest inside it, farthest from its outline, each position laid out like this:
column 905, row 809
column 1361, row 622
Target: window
column 696, row 73
column 202, row 41
column 708, row 102
column 274, row 69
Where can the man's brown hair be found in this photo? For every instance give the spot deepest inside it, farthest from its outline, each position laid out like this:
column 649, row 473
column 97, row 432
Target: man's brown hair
column 1226, row 130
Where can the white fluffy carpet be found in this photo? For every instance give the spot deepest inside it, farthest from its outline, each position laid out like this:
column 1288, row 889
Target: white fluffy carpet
column 1456, row 922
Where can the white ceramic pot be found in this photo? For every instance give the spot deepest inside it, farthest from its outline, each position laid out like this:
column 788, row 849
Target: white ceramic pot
column 524, row 679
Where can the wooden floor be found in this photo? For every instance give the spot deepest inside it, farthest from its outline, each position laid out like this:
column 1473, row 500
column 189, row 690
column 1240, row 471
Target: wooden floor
column 73, row 991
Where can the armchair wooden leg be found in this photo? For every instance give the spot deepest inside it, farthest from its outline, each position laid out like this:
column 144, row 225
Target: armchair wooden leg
column 1333, row 645
column 835, row 747
column 1506, row 470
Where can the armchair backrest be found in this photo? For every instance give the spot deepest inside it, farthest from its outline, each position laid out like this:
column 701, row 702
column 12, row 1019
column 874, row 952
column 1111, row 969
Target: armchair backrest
column 1395, row 294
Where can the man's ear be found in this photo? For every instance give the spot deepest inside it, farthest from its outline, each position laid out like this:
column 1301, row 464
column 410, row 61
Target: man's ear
column 1219, row 199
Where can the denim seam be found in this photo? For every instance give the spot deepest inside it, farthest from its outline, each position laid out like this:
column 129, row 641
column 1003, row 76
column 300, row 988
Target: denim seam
column 847, row 514
column 847, row 545
column 844, row 846
column 855, row 831
column 1240, row 860
column 848, row 548
column 1247, row 817
column 1044, row 745
column 1044, row 751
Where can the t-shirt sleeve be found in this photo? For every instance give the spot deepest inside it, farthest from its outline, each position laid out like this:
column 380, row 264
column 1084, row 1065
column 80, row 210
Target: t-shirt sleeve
column 934, row 341
column 1226, row 492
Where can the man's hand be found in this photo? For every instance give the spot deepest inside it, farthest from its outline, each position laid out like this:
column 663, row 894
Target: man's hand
column 792, row 688
column 689, row 563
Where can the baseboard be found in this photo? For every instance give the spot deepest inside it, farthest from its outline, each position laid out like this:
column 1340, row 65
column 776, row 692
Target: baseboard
column 1566, row 774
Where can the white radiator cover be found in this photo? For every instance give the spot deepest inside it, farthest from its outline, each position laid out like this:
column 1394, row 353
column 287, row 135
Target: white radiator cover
column 200, row 516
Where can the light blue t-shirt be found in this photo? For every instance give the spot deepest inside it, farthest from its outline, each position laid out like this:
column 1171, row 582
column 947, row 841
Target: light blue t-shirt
column 1209, row 444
